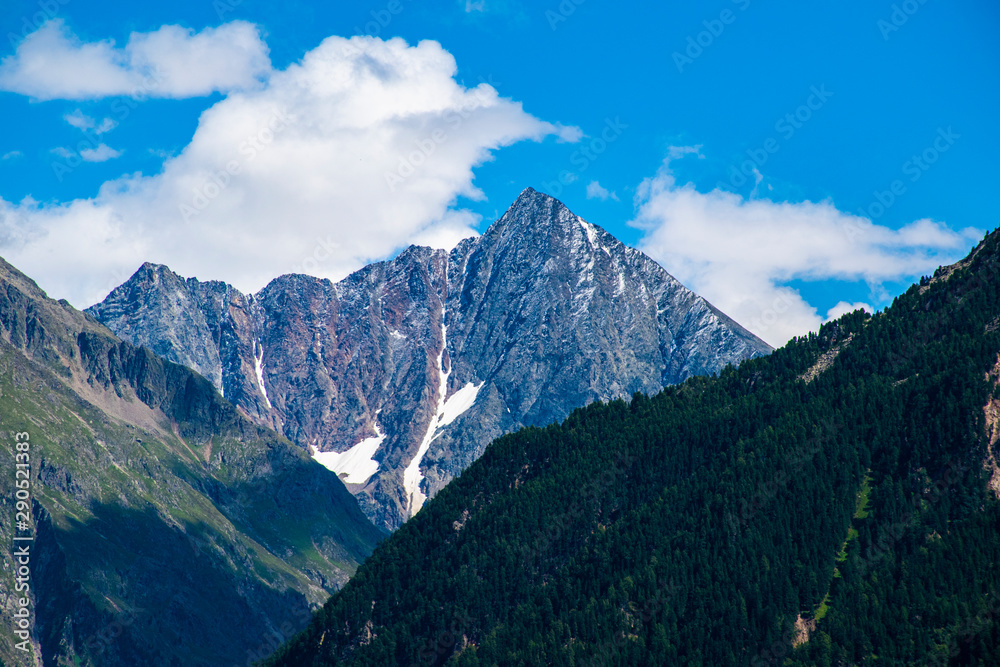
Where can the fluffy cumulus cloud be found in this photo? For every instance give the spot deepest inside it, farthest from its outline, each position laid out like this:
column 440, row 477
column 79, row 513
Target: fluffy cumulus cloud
column 173, row 62
column 362, row 147
column 742, row 254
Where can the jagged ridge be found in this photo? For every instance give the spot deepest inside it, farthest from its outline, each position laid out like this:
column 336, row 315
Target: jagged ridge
column 541, row 314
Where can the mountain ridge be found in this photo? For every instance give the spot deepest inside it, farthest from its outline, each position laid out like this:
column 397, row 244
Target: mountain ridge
column 542, row 313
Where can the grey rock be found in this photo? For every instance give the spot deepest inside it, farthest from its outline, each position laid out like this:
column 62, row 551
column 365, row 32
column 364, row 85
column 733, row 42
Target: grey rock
column 542, row 314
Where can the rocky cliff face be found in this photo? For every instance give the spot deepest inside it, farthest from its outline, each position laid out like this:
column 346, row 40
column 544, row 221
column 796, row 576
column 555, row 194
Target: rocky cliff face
column 399, row 376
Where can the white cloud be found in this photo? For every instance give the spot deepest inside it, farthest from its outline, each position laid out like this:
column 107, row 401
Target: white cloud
column 596, row 191
column 293, row 176
column 83, row 122
column 106, row 126
column 52, row 63
column 843, row 307
column 79, row 120
column 741, row 254
column 11, row 155
column 479, row 6
column 101, row 153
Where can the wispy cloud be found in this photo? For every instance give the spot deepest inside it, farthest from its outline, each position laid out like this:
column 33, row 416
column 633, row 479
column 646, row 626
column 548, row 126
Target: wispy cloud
column 596, row 191
column 101, row 153
column 78, row 120
column 52, row 63
column 12, row 155
column 742, row 255
column 83, row 122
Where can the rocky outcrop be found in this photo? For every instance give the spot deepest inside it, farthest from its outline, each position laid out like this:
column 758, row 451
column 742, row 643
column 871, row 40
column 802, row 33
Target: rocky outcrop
column 400, row 375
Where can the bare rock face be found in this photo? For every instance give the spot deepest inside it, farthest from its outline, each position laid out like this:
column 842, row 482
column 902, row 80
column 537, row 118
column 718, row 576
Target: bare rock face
column 400, row 375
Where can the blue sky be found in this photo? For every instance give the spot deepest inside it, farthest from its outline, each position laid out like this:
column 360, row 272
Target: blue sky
column 639, row 119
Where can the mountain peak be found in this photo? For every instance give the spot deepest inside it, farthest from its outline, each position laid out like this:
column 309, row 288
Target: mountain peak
column 531, row 200
column 530, row 193
column 400, row 374
column 533, row 217
column 151, row 267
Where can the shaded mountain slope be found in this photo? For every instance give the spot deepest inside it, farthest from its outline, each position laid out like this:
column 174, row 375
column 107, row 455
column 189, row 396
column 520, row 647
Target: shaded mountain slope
column 170, row 529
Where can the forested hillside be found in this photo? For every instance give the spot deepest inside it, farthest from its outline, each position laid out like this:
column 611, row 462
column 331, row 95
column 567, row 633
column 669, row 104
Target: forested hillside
column 830, row 504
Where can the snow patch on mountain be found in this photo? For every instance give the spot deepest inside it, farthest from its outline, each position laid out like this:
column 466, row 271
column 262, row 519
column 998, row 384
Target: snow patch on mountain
column 458, row 404
column 412, row 476
column 591, row 232
column 356, row 465
column 258, row 358
column 448, row 410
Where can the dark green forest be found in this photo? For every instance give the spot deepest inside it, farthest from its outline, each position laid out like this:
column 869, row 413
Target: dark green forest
column 827, row 505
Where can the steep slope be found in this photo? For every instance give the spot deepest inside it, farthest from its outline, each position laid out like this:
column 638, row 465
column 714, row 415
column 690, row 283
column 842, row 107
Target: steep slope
column 767, row 516
column 168, row 529
column 399, row 375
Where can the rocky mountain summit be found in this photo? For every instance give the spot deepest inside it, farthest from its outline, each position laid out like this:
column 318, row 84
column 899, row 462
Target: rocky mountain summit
column 400, row 375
